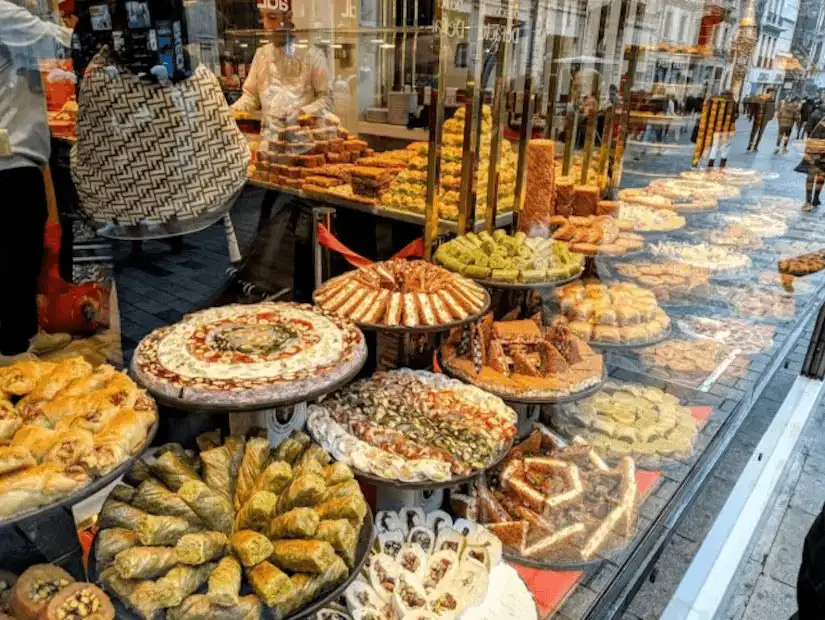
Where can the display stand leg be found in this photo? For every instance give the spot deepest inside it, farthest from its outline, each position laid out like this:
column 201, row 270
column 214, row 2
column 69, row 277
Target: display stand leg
column 46, row 538
column 547, row 413
column 279, row 422
column 528, row 415
column 391, row 498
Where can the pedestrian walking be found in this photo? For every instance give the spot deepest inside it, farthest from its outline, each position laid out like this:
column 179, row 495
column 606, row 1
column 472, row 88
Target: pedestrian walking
column 810, row 584
column 813, row 162
column 764, row 109
column 786, row 117
column 804, row 114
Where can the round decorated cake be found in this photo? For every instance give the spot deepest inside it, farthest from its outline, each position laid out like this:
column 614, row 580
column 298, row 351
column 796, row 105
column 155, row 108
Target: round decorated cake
column 249, row 355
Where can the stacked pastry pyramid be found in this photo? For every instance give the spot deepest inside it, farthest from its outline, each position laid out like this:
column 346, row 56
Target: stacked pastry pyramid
column 408, row 191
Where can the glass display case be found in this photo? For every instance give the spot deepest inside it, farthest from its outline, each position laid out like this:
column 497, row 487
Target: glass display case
column 574, row 169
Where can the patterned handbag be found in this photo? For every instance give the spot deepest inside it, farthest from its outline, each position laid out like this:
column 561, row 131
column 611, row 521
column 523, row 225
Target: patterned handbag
column 151, row 153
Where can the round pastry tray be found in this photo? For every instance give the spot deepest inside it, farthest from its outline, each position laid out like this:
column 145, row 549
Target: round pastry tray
column 427, row 329
column 633, row 345
column 423, row 485
column 90, row 489
column 362, row 552
column 521, row 286
column 530, row 400
column 188, row 406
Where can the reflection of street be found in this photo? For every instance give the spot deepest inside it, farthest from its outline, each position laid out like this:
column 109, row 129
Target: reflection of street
column 646, row 160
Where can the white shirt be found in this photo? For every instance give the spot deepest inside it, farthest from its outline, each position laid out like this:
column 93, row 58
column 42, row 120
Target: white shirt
column 283, row 79
column 24, row 39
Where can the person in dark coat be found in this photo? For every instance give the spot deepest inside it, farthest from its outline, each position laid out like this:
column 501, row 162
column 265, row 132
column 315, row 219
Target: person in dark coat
column 764, row 109
column 810, row 584
column 804, row 114
column 813, row 161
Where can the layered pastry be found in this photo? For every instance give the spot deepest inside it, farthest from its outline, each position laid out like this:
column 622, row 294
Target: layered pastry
column 639, row 218
column 63, row 425
column 693, row 361
column 402, row 293
column 711, row 257
column 552, row 503
column 595, row 234
column 621, row 313
column 413, row 425
column 426, row 564
column 641, row 197
column 628, row 419
column 408, row 190
column 522, row 358
column 681, row 189
column 736, row 235
column 509, row 258
column 294, row 519
column 761, row 224
column 668, row 281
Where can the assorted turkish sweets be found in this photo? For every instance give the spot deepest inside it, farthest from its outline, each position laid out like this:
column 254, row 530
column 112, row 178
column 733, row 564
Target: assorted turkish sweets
column 669, row 280
column 402, row 293
column 47, row 592
column 595, row 234
column 549, row 502
column 522, row 358
column 62, row 425
column 408, row 190
column 413, row 425
column 628, row 419
column 509, row 258
column 621, row 313
column 244, row 355
column 285, row 521
column 424, row 564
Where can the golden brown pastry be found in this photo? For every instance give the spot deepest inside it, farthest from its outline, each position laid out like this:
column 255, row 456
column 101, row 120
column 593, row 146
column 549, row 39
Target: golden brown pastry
column 79, row 601
column 10, row 422
column 36, row 486
column 35, row 588
column 15, row 458
column 251, row 547
column 49, row 385
column 270, row 584
column 252, row 465
column 20, row 378
column 69, row 447
column 37, row 440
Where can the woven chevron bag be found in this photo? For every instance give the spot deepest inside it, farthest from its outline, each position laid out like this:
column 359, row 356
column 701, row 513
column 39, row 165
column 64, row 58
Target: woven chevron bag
column 151, row 153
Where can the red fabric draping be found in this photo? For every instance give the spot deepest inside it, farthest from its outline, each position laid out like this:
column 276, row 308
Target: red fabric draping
column 414, row 249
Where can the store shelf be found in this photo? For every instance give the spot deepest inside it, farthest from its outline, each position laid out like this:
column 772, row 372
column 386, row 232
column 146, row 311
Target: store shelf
column 386, row 130
column 503, row 219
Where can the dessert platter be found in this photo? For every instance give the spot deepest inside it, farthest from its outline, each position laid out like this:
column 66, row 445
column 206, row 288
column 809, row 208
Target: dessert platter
column 749, row 338
column 714, row 258
column 759, row 301
column 593, row 235
column 669, row 281
column 620, row 314
column 523, row 361
column 733, row 176
column 630, row 419
column 660, row 197
column 641, row 219
column 687, row 189
column 691, row 362
column 555, row 505
column 48, row 592
column 403, row 295
column 762, row 224
column 413, row 429
column 640, row 196
column 428, row 567
column 249, row 357
column 67, row 431
column 504, row 260
column 267, row 532
column 781, row 206
column 736, row 235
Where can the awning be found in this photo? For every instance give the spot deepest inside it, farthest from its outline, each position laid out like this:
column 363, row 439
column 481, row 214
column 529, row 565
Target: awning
column 788, row 62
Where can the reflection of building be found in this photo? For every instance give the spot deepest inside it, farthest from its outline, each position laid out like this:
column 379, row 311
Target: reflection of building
column 777, row 22
column 808, row 40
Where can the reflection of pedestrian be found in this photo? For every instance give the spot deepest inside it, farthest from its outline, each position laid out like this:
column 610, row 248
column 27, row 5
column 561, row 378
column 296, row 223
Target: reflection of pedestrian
column 722, row 140
column 810, row 593
column 787, row 115
column 804, row 113
column 813, row 163
column 763, row 109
